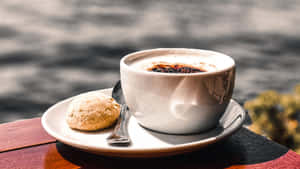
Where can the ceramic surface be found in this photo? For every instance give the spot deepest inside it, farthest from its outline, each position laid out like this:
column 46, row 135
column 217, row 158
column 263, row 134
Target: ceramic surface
column 145, row 143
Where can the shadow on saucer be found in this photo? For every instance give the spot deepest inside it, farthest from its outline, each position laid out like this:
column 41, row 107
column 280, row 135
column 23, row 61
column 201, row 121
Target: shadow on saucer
column 176, row 139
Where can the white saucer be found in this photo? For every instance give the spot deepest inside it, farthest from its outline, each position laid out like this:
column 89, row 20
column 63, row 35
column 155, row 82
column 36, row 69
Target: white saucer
column 145, row 143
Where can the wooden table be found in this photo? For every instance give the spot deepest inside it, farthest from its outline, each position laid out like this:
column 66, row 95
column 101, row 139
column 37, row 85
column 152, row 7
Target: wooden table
column 25, row 145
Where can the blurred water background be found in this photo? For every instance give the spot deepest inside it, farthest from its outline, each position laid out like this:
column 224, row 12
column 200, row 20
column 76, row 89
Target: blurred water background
column 54, row 49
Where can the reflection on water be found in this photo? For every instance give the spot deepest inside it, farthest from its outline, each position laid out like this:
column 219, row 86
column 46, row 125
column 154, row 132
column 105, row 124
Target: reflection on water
column 50, row 51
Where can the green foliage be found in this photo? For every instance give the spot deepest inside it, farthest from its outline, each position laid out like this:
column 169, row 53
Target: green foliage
column 274, row 116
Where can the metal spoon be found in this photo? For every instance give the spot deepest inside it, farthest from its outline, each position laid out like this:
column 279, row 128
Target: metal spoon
column 120, row 136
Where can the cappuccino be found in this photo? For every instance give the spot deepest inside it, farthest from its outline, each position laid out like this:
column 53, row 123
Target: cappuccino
column 188, row 62
column 174, row 68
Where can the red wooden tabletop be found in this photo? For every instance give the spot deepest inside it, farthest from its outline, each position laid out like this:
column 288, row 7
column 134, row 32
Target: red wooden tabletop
column 25, row 144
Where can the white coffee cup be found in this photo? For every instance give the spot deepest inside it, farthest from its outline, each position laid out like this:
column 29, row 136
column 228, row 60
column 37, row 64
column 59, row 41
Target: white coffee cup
column 177, row 103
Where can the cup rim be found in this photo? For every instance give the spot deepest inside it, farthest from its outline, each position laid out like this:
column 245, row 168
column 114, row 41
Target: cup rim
column 129, row 68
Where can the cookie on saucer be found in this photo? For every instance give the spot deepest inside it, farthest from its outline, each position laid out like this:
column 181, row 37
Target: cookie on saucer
column 92, row 111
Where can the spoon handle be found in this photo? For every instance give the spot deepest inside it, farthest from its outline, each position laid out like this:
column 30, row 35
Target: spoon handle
column 120, row 134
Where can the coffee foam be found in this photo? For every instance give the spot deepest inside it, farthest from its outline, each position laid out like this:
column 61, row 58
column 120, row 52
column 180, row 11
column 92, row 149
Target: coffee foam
column 208, row 62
